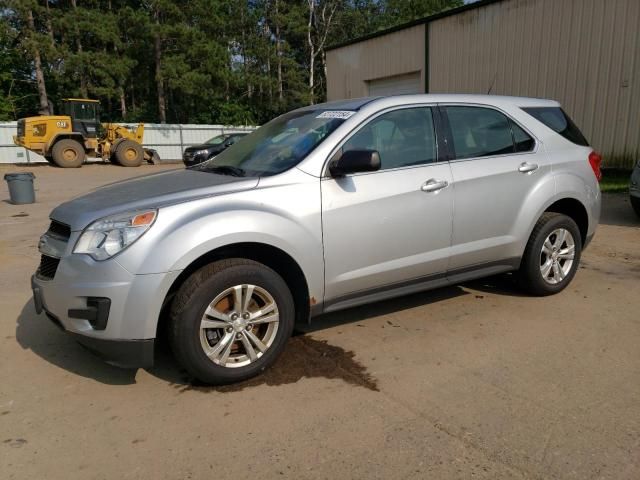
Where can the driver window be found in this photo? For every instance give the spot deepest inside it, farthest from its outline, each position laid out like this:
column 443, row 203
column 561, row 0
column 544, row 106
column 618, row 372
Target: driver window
column 402, row 138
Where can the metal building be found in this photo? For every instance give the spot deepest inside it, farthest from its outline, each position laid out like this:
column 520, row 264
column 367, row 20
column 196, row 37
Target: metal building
column 583, row 53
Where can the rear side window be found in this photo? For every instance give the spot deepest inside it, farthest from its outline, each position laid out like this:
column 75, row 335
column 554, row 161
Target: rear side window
column 521, row 139
column 557, row 120
column 483, row 132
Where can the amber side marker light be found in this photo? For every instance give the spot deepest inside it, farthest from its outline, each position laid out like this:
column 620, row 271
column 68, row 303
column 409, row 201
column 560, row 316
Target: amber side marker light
column 143, row 219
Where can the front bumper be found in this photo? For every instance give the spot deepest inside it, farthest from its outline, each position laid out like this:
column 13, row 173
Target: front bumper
column 190, row 160
column 126, row 337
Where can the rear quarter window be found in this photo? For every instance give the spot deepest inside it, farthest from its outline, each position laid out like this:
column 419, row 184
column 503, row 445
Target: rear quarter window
column 557, row 120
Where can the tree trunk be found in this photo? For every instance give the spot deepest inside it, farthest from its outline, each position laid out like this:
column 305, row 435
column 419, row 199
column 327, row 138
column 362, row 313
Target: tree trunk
column 49, row 25
column 84, row 91
column 42, row 88
column 133, row 97
column 269, row 76
column 244, row 53
column 312, row 52
column 123, row 103
column 279, row 54
column 157, row 47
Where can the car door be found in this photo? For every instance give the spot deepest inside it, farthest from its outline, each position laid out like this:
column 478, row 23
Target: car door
column 392, row 226
column 495, row 165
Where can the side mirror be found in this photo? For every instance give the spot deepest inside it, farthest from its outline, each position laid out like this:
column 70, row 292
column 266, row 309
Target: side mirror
column 354, row 161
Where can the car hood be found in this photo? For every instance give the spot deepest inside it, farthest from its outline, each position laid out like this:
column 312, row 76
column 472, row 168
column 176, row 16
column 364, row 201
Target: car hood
column 152, row 191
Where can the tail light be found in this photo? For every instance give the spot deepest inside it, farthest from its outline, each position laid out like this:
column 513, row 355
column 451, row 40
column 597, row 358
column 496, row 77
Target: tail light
column 595, row 159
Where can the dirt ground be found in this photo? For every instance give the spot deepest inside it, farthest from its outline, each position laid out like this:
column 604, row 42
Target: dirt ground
column 471, row 381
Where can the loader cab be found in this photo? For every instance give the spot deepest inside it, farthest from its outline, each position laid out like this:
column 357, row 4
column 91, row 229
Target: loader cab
column 85, row 115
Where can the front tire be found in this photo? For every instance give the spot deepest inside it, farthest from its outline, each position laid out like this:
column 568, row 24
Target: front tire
column 552, row 255
column 230, row 321
column 68, row 153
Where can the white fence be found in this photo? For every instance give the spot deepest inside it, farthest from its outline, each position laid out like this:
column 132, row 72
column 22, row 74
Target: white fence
column 169, row 140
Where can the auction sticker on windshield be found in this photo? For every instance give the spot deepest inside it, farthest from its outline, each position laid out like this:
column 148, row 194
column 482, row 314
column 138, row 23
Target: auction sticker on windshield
column 344, row 114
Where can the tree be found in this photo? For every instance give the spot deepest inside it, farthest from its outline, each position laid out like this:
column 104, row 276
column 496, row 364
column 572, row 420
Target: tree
column 195, row 61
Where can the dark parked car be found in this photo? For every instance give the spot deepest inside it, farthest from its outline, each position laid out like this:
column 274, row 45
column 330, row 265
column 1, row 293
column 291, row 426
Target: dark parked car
column 212, row 147
column 634, row 189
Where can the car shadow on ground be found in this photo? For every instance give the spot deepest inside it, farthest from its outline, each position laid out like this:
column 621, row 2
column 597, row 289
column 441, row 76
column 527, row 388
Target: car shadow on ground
column 304, row 356
column 37, row 333
column 617, row 211
column 308, row 357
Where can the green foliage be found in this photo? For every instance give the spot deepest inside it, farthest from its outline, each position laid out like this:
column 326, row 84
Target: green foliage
column 615, row 180
column 218, row 59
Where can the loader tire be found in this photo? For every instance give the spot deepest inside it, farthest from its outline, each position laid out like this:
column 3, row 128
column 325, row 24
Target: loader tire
column 68, row 153
column 129, row 154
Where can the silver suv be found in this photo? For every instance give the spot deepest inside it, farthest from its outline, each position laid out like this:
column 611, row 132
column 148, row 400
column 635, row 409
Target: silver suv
column 324, row 208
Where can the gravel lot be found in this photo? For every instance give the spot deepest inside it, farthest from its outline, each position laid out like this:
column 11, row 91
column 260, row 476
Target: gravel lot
column 471, row 381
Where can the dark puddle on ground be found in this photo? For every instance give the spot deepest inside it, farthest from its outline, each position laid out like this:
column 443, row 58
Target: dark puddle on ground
column 303, row 357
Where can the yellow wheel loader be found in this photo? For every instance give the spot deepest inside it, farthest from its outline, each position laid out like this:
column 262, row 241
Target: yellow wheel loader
column 66, row 140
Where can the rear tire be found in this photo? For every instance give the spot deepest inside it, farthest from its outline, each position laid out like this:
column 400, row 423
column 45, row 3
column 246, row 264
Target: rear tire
column 68, row 153
column 129, row 154
column 552, row 255
column 230, row 321
column 635, row 204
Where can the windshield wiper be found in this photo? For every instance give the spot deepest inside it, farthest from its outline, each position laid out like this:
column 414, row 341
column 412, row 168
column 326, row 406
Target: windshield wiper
column 227, row 170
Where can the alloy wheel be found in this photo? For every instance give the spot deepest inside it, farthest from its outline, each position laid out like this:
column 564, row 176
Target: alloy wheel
column 239, row 326
column 557, row 255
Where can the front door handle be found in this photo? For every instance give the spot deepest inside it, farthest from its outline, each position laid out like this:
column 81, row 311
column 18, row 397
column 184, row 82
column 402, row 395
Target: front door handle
column 434, row 185
column 527, row 167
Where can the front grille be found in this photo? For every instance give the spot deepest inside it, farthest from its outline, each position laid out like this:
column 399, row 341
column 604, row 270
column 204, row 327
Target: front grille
column 48, row 267
column 20, row 132
column 60, row 230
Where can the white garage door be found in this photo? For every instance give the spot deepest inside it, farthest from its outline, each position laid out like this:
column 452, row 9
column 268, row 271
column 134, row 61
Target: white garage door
column 396, row 85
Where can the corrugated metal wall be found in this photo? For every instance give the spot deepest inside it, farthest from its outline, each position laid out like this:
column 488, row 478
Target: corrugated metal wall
column 349, row 68
column 169, row 140
column 583, row 53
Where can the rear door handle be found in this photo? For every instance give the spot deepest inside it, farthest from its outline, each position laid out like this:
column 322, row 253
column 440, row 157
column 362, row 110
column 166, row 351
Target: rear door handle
column 527, row 167
column 434, row 185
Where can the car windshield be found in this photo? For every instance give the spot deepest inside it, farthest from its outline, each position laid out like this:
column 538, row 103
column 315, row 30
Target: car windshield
column 217, row 140
column 277, row 146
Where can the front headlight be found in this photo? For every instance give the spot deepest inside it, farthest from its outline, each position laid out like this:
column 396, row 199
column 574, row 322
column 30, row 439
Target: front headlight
column 110, row 235
column 202, row 152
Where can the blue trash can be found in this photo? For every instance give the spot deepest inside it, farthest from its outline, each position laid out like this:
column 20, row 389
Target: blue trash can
column 21, row 187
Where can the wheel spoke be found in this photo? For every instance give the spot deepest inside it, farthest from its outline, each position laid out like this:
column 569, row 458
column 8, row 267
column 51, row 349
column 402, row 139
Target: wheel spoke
column 248, row 347
column 227, row 351
column 567, row 253
column 247, row 298
column 547, row 247
column 263, row 311
column 221, row 346
column 237, row 298
column 213, row 313
column 546, row 268
column 256, row 341
column 274, row 317
column 558, row 274
column 560, row 236
column 205, row 323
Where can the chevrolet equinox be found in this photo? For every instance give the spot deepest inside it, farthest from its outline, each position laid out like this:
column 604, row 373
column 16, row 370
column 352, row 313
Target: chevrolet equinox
column 323, row 208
